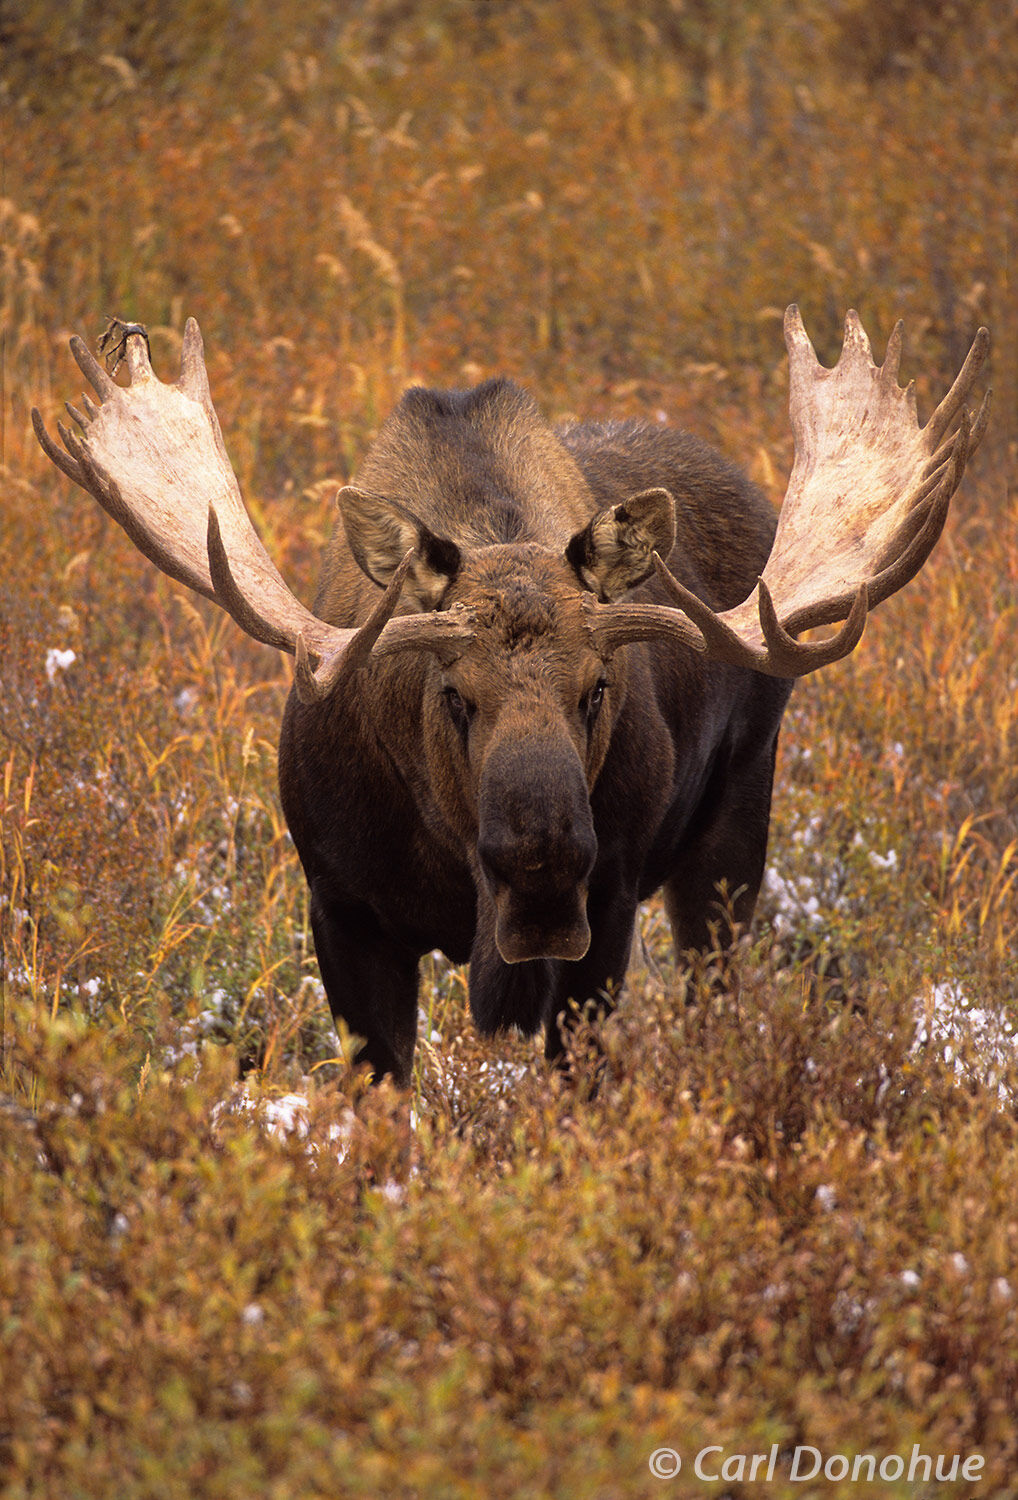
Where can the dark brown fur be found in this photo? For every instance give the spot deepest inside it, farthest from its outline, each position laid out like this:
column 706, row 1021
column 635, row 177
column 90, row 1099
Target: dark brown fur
column 512, row 804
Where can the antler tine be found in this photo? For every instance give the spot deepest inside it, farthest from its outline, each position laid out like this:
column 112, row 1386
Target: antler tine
column 366, row 637
column 319, row 683
column 797, row 340
column 719, row 639
column 855, row 344
column 803, row 365
column 892, row 355
column 901, row 569
column 958, row 394
column 976, row 431
column 787, row 657
column 344, row 650
column 963, row 442
column 64, row 462
column 194, row 377
column 309, row 689
column 101, row 382
column 980, row 424
column 444, row 633
column 233, row 600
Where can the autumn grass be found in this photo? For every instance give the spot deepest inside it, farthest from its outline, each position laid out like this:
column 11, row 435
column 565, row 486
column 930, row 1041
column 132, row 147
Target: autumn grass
column 785, row 1218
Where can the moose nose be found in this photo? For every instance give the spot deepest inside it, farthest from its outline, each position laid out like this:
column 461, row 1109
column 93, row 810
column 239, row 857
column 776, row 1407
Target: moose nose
column 538, row 858
column 535, row 825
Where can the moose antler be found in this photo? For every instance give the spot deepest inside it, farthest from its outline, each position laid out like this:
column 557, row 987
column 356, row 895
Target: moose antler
column 153, row 456
column 866, row 501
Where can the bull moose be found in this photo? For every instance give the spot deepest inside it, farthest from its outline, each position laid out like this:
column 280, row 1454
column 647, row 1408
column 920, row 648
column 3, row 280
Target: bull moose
column 546, row 666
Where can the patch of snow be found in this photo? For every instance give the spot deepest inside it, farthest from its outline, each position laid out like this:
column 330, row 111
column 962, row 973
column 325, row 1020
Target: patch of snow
column 286, row 1115
column 980, row 1043
column 791, row 908
column 58, row 661
column 848, row 1312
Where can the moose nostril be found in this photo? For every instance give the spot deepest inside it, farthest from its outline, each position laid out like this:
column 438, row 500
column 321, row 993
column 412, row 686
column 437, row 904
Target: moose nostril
column 563, row 862
column 536, row 830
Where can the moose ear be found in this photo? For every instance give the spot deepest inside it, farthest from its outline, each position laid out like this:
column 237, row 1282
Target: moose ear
column 613, row 552
column 381, row 532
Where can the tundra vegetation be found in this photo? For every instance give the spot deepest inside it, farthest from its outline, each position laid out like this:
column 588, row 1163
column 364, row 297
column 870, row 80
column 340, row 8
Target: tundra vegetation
column 789, row 1214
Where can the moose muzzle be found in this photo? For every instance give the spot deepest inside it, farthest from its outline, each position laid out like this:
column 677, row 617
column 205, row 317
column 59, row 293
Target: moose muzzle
column 536, row 847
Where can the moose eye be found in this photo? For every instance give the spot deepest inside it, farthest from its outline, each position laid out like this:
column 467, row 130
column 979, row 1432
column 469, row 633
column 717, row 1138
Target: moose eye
column 591, row 704
column 460, row 711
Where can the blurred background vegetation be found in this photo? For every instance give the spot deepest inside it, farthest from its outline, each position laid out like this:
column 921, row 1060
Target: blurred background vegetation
column 586, row 195
column 614, row 205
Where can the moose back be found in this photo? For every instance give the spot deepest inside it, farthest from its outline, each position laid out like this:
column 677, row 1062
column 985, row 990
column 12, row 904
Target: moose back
column 546, row 667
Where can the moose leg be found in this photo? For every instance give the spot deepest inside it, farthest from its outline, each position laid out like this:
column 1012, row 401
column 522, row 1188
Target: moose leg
column 371, row 982
column 716, row 879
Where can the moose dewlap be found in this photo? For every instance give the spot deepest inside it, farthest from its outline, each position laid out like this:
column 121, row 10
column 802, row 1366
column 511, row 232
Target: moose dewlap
column 546, row 667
